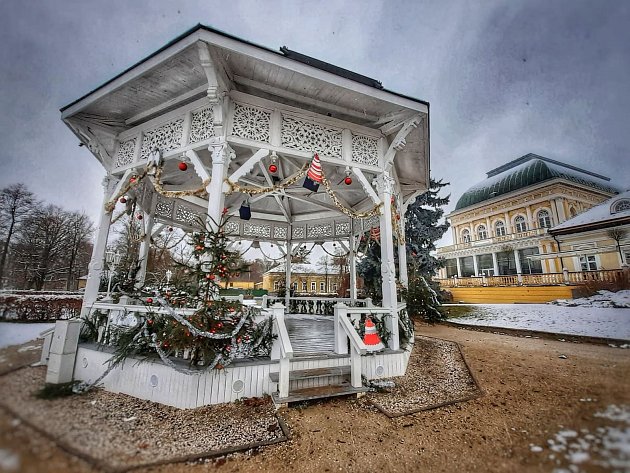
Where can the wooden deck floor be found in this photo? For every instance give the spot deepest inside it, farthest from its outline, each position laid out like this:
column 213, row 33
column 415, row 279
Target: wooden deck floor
column 311, row 334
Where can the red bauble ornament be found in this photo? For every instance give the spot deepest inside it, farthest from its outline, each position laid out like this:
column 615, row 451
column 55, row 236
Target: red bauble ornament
column 210, row 277
column 198, row 247
column 132, row 180
column 225, row 210
column 273, row 168
column 170, row 229
column 347, row 181
column 139, row 217
column 397, row 216
column 182, row 166
column 149, row 300
column 123, row 200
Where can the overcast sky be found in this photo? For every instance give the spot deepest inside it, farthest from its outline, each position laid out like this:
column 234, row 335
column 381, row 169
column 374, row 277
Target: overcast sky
column 504, row 78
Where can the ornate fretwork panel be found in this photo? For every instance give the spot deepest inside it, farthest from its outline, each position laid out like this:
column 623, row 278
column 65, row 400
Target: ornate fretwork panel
column 251, row 123
column 201, row 125
column 164, row 208
column 231, row 228
column 257, row 230
column 310, row 136
column 371, row 222
column 186, row 215
column 280, row 233
column 342, row 228
column 164, row 138
column 319, row 230
column 364, row 150
column 298, row 232
column 125, row 153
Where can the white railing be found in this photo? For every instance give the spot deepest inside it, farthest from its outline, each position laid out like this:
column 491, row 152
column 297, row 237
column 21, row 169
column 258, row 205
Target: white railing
column 282, row 349
column 314, row 305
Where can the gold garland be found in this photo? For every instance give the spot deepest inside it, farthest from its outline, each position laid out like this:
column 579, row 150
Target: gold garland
column 376, row 210
column 157, row 183
column 109, row 206
column 289, row 181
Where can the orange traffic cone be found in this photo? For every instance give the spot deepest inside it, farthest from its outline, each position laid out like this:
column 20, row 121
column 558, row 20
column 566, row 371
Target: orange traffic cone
column 371, row 338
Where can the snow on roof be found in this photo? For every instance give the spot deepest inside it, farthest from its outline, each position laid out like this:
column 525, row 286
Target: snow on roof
column 305, row 268
column 597, row 215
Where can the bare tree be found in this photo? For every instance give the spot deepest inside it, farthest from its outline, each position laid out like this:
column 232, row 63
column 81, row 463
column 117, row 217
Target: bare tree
column 80, row 229
column 16, row 203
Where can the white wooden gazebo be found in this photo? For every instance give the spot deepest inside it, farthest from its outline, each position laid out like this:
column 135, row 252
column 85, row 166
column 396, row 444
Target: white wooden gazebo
column 229, row 109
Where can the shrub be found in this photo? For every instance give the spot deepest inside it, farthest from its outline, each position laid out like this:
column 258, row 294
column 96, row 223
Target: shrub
column 39, row 306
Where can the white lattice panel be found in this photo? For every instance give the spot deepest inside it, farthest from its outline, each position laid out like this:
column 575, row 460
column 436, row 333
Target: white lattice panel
column 251, row 123
column 232, row 228
column 364, row 150
column 164, row 208
column 201, row 125
column 164, row 138
column 125, row 152
column 342, row 228
column 306, row 135
column 257, row 230
column 280, row 233
column 298, row 232
column 319, row 230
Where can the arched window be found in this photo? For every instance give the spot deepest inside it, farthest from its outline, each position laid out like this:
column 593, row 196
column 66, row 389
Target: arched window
column 544, row 220
column 620, row 206
column 520, row 224
column 572, row 212
column 499, row 228
column 482, row 233
column 465, row 236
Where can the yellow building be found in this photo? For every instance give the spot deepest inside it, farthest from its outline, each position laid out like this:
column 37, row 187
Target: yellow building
column 598, row 239
column 306, row 279
column 501, row 226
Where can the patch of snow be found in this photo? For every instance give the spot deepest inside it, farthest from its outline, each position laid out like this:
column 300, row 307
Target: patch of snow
column 585, row 321
column 19, row 333
column 603, row 299
column 9, row 461
column 29, row 348
column 535, row 448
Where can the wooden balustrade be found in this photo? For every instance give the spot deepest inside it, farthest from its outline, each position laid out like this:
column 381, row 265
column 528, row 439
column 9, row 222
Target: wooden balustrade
column 543, row 279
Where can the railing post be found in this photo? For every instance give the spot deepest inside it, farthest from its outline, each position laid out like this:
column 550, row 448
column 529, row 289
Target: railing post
column 368, row 302
column 277, row 313
column 283, row 377
column 565, row 275
column 341, row 340
column 355, row 368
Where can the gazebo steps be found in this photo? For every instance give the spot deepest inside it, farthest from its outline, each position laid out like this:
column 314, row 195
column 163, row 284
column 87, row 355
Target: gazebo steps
column 313, row 373
column 319, row 392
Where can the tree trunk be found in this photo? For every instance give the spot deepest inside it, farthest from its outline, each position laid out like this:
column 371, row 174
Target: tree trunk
column 5, row 251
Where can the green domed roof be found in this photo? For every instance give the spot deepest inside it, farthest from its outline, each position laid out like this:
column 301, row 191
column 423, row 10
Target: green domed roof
column 526, row 171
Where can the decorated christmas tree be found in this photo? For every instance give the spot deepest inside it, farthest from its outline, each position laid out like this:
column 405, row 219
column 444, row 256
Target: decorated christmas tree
column 210, row 331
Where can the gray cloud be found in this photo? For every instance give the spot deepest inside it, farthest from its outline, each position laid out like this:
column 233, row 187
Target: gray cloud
column 503, row 78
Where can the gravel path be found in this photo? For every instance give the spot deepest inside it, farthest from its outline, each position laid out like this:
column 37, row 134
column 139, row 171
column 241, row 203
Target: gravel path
column 437, row 375
column 119, row 431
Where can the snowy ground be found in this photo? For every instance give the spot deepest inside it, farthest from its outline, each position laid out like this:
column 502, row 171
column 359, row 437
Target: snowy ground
column 18, row 333
column 581, row 320
column 619, row 299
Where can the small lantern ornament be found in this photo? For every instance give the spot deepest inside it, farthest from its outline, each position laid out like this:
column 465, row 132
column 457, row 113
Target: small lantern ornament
column 123, row 200
column 182, row 166
column 245, row 212
column 139, row 217
column 314, row 175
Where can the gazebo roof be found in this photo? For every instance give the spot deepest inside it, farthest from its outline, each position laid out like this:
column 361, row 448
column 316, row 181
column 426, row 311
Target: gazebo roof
column 175, row 77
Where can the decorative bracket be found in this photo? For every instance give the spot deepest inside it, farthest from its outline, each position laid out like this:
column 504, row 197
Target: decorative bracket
column 367, row 187
column 399, row 141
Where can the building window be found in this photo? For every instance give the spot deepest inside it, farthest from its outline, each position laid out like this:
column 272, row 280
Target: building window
column 303, row 286
column 334, row 287
column 313, row 286
column 544, row 220
column 520, row 224
column 294, row 286
column 465, row 236
column 276, row 285
column 231, row 284
column 621, row 206
column 588, row 263
column 322, row 287
column 529, row 265
column 482, row 233
column 499, row 228
column 451, row 267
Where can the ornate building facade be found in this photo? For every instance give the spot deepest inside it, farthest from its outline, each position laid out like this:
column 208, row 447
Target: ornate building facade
column 501, row 225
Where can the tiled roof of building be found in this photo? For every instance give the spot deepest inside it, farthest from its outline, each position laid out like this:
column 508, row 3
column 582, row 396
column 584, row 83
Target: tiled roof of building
column 526, row 171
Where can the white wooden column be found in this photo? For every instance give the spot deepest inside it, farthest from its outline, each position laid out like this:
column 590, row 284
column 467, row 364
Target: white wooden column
column 97, row 262
column 459, row 267
column 221, row 156
column 145, row 245
column 287, row 273
column 388, row 266
column 495, row 263
column 402, row 257
column 353, row 264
